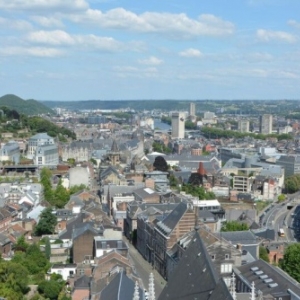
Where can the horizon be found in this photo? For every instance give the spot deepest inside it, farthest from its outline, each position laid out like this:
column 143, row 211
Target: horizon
column 119, row 50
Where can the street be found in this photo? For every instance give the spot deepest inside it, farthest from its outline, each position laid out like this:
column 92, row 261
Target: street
column 143, row 269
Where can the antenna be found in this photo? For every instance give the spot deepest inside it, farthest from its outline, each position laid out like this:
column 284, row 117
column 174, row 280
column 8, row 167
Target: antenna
column 232, row 289
column 136, row 295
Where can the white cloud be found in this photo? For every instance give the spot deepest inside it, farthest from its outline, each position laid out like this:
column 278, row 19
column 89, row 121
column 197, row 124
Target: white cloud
column 44, row 5
column 14, row 24
column 31, row 51
column 152, row 60
column 172, row 25
column 294, row 23
column 191, row 52
column 62, row 38
column 134, row 72
column 258, row 57
column 48, row 21
column 280, row 36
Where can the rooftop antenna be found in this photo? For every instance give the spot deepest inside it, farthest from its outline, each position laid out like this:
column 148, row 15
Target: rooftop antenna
column 252, row 291
column 232, row 288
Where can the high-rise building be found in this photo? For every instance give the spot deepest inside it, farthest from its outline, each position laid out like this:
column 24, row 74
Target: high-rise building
column 178, row 122
column 243, row 126
column 192, row 109
column 266, row 124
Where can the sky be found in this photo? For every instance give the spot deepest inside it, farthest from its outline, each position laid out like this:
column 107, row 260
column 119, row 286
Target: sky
column 155, row 49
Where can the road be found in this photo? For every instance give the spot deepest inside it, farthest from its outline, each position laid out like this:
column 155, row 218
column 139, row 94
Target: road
column 143, row 269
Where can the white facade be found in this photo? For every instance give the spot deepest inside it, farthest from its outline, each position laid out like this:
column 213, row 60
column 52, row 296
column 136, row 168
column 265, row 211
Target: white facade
column 39, row 139
column 46, row 155
column 192, row 109
column 66, row 271
column 243, row 126
column 79, row 175
column 178, row 125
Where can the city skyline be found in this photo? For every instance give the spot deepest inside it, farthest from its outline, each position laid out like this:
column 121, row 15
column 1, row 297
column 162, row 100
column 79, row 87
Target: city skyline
column 109, row 49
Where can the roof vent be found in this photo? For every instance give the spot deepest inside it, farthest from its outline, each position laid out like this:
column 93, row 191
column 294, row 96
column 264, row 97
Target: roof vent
column 259, row 272
column 254, row 269
column 272, row 285
column 268, row 280
column 263, row 276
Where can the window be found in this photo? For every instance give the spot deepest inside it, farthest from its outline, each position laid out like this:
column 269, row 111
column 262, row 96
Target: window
column 213, row 257
column 226, row 268
column 226, row 256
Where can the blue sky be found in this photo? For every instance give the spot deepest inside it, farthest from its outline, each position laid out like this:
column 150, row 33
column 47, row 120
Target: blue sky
column 156, row 49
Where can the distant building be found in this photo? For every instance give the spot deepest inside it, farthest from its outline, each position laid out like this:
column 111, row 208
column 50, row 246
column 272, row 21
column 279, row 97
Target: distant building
column 10, row 151
column 37, row 140
column 209, row 118
column 243, row 126
column 290, row 164
column 266, row 124
column 192, row 111
column 178, row 122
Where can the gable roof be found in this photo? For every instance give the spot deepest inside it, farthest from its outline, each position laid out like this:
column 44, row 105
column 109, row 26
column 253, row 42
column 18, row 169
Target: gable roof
column 195, row 277
column 120, row 288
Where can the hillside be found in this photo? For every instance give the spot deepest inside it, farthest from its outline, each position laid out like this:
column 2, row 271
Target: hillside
column 27, row 107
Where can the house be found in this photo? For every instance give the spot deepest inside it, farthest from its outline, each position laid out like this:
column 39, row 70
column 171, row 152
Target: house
column 246, row 239
column 83, row 241
column 103, row 246
column 5, row 245
column 195, row 277
column 65, row 270
column 81, row 289
column 146, row 195
column 121, row 287
column 269, row 280
column 5, row 219
column 167, row 232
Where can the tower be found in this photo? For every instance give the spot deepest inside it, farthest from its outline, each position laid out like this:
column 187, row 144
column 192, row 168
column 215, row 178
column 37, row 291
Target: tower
column 266, row 124
column 192, row 109
column 243, row 125
column 178, row 122
column 114, row 154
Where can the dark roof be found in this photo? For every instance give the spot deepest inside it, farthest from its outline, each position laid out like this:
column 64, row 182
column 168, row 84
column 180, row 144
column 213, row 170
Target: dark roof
column 172, row 219
column 266, row 233
column 120, row 288
column 82, row 282
column 195, row 277
column 114, row 147
column 248, row 273
column 82, row 228
column 240, row 237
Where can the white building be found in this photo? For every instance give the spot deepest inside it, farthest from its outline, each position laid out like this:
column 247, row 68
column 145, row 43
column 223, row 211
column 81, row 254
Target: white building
column 209, row 118
column 243, row 125
column 178, row 125
column 266, row 124
column 39, row 139
column 192, row 111
column 65, row 270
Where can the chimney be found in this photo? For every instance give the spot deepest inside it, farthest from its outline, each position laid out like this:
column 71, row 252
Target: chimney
column 201, row 170
column 239, row 247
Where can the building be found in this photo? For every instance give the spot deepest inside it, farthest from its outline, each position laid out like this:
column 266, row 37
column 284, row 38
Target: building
column 46, row 155
column 241, row 184
column 243, row 126
column 290, row 164
column 195, row 277
column 266, row 124
column 37, row 140
column 209, row 118
column 10, row 152
column 178, row 123
column 192, row 111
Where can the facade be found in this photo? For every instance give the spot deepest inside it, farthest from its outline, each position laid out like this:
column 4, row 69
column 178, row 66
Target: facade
column 209, row 118
column 178, row 123
column 192, row 111
column 266, row 124
column 46, row 155
column 79, row 175
column 80, row 154
column 65, row 270
column 241, row 184
column 10, row 152
column 243, row 126
column 290, row 164
column 39, row 139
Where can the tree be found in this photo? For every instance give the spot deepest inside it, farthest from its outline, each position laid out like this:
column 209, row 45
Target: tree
column 21, row 244
column 47, row 248
column 263, row 254
column 234, row 226
column 61, row 195
column 50, row 289
column 281, row 198
column 45, row 180
column 160, row 164
column 291, row 261
column 46, row 223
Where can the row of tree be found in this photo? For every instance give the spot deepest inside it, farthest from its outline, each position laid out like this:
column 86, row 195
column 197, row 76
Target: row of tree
column 212, row 132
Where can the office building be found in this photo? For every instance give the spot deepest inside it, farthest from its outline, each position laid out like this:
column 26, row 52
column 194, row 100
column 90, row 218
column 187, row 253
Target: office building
column 192, row 109
column 178, row 122
column 266, row 124
column 243, row 126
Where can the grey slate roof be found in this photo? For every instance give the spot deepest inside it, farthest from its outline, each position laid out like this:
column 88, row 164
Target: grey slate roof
column 120, row 288
column 195, row 277
column 283, row 280
column 82, row 228
column 240, row 237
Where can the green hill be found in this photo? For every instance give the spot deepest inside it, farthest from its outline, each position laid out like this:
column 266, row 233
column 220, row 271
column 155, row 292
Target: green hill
column 27, row 107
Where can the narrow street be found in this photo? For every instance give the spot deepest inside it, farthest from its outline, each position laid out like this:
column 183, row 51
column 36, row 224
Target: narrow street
column 143, row 269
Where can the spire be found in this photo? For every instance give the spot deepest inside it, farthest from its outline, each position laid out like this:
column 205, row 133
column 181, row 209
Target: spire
column 136, row 295
column 151, row 289
column 252, row 291
column 232, row 288
column 114, row 147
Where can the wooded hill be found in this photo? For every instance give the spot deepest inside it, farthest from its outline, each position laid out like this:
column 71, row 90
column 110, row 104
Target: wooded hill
column 27, row 107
